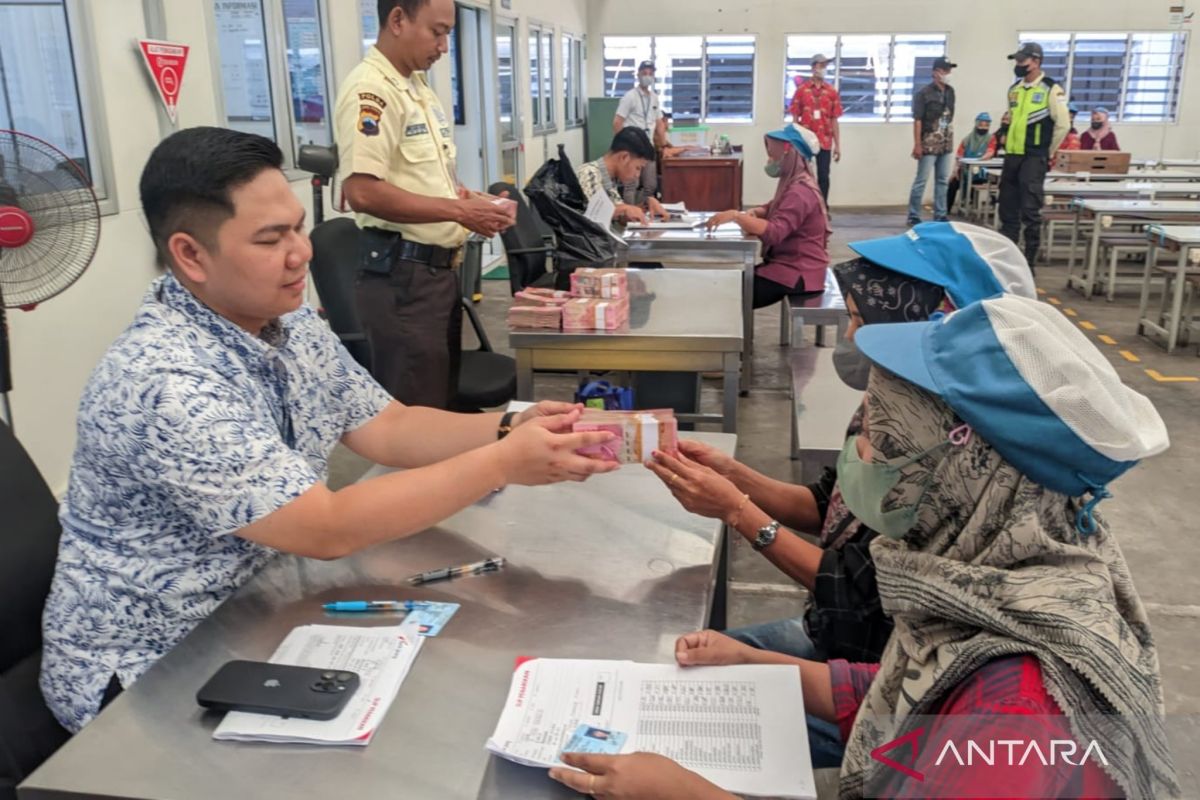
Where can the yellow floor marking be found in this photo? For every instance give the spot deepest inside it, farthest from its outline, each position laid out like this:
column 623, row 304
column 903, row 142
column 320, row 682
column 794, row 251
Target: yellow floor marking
column 1041, row 290
column 1055, row 301
column 1070, row 312
column 1129, row 356
column 1087, row 326
column 1104, row 337
column 1153, row 373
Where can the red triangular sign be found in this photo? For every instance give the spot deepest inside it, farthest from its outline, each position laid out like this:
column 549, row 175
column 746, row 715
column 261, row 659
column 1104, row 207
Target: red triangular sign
column 166, row 61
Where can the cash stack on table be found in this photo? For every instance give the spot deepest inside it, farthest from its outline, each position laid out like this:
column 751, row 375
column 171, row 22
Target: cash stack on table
column 598, row 301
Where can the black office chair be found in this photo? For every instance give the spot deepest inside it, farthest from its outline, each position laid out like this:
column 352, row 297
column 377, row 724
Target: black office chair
column 29, row 734
column 526, row 244
column 485, row 378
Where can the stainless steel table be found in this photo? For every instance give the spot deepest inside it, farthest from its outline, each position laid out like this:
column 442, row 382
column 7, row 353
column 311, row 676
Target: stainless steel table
column 612, row 568
column 1129, row 210
column 1131, row 189
column 726, row 247
column 680, row 320
column 1182, row 239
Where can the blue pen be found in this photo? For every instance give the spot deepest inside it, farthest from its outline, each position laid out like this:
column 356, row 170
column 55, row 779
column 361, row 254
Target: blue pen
column 375, row 605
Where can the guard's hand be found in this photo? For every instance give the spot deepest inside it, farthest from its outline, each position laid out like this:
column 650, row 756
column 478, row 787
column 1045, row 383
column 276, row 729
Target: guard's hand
column 481, row 215
column 636, row 776
column 631, row 213
column 720, row 218
column 547, row 408
column 656, row 208
column 917, row 152
column 711, row 649
column 698, row 488
column 837, row 153
column 709, row 456
column 540, row 452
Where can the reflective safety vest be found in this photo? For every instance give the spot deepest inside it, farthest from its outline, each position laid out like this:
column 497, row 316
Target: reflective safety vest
column 1031, row 128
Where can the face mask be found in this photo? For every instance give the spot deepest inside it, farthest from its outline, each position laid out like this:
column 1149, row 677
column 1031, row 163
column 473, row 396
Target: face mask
column 772, row 169
column 981, row 131
column 1021, row 70
column 865, row 485
column 852, row 366
column 645, row 81
column 1097, row 126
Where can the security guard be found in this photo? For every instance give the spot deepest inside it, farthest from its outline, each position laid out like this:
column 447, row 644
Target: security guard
column 1038, row 108
column 397, row 161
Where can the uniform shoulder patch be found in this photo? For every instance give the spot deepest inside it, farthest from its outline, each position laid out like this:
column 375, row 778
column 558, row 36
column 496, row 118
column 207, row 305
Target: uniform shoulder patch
column 368, row 120
column 374, row 99
column 418, row 129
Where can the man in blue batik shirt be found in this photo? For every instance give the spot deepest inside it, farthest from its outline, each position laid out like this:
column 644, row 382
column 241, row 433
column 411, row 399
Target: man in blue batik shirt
column 204, row 433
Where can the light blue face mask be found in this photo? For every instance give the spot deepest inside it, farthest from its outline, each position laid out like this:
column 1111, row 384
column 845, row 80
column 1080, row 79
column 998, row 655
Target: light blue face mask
column 865, row 485
column 772, row 169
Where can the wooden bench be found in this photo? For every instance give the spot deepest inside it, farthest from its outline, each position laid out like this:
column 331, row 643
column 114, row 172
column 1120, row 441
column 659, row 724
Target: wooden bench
column 822, row 407
column 827, row 308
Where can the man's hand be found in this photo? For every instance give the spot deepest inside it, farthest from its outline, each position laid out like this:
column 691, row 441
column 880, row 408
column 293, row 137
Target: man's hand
column 918, row 151
column 698, row 488
column 541, row 452
column 631, row 213
column 656, row 209
column 711, row 649
column 481, row 214
column 837, row 153
column 720, row 218
column 636, row 776
column 708, row 456
column 547, row 408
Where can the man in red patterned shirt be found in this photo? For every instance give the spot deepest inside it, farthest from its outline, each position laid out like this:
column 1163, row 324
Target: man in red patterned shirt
column 816, row 105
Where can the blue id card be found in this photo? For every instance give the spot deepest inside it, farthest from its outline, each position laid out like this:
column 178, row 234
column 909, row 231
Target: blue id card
column 432, row 617
column 590, row 739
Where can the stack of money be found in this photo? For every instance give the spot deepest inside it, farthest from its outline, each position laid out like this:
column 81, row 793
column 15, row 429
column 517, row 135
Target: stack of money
column 530, row 317
column 531, row 296
column 599, row 282
column 638, row 434
column 595, row 314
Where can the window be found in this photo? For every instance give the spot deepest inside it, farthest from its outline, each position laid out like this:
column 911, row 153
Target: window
column 572, row 59
column 454, row 55
column 285, row 96
column 710, row 78
column 368, row 11
column 43, row 90
column 1136, row 76
column 541, row 77
column 876, row 74
column 506, row 38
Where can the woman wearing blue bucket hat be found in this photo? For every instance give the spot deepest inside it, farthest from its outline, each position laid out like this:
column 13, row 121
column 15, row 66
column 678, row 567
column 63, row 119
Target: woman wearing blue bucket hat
column 793, row 227
column 990, row 434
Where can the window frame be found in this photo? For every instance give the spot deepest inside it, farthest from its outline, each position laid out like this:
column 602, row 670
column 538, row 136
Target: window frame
column 1175, row 103
column 573, row 74
column 704, row 71
column 279, row 77
column 85, row 63
column 537, row 100
column 889, row 97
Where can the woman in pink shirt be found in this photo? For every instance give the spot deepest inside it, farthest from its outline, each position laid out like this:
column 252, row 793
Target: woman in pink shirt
column 793, row 227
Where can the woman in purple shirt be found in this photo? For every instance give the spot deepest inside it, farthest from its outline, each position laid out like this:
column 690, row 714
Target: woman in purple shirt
column 794, row 226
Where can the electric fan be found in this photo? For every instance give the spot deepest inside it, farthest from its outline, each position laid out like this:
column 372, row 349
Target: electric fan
column 49, row 228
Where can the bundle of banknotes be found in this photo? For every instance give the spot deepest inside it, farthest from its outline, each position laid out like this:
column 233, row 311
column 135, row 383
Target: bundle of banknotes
column 595, row 314
column 638, row 434
column 599, row 282
column 531, row 295
column 535, row 317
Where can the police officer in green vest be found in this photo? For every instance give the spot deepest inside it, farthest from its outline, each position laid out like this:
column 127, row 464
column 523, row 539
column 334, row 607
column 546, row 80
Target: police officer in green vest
column 1040, row 122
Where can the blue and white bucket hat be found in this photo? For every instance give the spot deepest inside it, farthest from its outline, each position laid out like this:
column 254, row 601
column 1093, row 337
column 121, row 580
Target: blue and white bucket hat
column 1033, row 386
column 970, row 262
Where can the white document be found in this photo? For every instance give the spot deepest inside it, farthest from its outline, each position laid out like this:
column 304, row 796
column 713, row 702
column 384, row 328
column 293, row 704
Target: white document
column 600, row 209
column 685, row 222
column 741, row 727
column 380, row 656
column 675, row 208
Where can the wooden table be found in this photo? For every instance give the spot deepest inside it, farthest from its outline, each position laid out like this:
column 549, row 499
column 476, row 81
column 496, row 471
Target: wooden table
column 704, row 183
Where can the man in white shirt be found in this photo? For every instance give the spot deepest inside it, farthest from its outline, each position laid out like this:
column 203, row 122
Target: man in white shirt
column 640, row 108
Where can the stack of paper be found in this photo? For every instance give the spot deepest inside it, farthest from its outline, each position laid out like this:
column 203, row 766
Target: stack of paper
column 595, row 314
column 741, row 727
column 639, row 434
column 382, row 658
column 599, row 282
column 540, row 318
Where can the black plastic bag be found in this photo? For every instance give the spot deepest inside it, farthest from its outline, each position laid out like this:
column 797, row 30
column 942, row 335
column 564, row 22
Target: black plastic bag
column 556, row 194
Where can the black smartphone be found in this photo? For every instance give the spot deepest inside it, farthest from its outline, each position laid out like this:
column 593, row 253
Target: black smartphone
column 278, row 689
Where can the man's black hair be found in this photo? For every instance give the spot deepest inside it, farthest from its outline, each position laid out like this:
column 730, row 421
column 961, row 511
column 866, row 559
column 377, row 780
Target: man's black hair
column 633, row 141
column 409, row 7
column 187, row 182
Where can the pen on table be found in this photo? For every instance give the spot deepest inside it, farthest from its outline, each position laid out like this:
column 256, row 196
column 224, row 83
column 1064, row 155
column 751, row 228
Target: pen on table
column 375, row 605
column 478, row 568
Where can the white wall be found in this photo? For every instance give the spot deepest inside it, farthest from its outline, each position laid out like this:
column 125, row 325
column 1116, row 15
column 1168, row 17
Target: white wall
column 876, row 167
column 55, row 347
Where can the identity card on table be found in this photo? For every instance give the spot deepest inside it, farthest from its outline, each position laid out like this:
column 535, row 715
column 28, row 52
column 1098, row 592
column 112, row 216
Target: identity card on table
column 382, row 658
column 741, row 727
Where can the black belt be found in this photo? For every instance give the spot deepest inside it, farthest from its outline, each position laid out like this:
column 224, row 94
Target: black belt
column 400, row 249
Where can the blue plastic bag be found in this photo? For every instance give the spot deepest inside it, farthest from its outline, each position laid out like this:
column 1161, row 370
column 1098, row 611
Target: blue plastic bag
column 604, row 396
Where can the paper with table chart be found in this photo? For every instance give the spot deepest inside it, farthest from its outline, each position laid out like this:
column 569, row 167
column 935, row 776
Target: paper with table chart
column 742, row 727
column 600, row 210
column 382, row 658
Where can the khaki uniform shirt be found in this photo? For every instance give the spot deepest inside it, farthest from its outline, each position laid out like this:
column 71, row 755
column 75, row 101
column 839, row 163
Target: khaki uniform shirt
column 393, row 128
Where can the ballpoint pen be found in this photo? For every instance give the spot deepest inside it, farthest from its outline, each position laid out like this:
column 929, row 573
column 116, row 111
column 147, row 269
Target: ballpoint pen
column 478, row 568
column 375, row 605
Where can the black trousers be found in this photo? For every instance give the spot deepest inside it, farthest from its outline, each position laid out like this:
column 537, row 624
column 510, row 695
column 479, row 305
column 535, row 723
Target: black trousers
column 1022, row 193
column 413, row 321
column 767, row 292
column 824, row 158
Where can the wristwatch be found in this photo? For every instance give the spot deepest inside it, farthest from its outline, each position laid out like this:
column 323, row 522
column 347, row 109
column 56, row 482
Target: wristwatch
column 766, row 535
column 506, row 425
